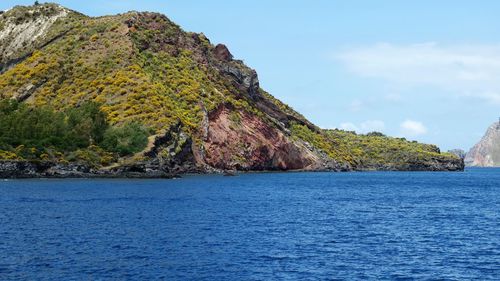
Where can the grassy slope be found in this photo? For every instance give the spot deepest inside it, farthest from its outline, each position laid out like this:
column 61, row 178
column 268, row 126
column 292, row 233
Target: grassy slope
column 371, row 151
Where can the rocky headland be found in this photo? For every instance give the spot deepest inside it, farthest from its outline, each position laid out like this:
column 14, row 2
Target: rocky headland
column 135, row 95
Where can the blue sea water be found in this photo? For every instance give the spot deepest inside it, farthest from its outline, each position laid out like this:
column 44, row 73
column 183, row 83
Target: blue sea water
column 272, row 226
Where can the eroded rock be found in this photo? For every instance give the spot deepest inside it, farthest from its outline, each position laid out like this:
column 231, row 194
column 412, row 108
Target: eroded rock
column 239, row 140
column 222, row 53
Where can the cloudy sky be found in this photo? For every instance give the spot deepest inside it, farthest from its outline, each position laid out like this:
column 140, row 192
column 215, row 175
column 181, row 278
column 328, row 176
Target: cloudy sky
column 425, row 70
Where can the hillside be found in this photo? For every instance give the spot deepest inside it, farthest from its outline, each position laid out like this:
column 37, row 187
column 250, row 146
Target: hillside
column 486, row 153
column 171, row 103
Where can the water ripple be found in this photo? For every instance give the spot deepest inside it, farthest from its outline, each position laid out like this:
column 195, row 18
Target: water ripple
column 300, row 226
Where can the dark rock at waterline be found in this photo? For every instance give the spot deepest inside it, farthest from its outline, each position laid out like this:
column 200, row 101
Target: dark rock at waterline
column 47, row 169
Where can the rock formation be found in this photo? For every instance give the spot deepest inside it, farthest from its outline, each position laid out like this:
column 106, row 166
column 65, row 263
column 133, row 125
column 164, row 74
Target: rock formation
column 486, row 153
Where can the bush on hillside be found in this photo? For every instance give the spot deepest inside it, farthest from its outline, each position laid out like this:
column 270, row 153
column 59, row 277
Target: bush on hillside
column 127, row 139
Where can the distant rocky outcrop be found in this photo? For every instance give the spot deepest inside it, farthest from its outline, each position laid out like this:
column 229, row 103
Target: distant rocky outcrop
column 460, row 153
column 486, row 153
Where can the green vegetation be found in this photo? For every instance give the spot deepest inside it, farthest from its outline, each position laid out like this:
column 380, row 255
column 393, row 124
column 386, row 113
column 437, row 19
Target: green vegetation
column 79, row 133
column 334, row 148
column 371, row 151
column 127, row 139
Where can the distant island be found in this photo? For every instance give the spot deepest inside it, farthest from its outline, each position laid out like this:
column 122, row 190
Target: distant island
column 486, row 153
column 133, row 95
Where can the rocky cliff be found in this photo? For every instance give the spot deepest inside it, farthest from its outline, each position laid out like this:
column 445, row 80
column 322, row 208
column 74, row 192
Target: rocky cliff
column 486, row 153
column 205, row 109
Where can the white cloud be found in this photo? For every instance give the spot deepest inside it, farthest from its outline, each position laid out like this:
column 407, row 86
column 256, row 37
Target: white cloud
column 411, row 128
column 364, row 127
column 467, row 70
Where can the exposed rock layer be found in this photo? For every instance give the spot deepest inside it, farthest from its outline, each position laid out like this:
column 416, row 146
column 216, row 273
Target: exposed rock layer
column 242, row 141
column 25, row 29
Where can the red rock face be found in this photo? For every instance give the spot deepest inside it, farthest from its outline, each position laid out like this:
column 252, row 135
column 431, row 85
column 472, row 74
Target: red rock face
column 222, row 53
column 242, row 141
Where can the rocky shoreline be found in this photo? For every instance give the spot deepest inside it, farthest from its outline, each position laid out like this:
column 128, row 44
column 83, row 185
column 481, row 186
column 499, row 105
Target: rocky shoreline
column 45, row 169
column 20, row 169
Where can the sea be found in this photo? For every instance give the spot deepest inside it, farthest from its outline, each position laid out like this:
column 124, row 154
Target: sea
column 256, row 226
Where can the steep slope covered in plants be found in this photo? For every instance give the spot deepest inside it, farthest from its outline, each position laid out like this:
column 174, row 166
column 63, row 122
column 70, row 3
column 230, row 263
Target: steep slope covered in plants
column 203, row 110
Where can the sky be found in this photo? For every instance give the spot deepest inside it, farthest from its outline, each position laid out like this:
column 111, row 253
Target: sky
column 424, row 70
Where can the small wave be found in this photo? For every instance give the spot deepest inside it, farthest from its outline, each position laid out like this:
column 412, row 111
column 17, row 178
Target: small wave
column 278, row 257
